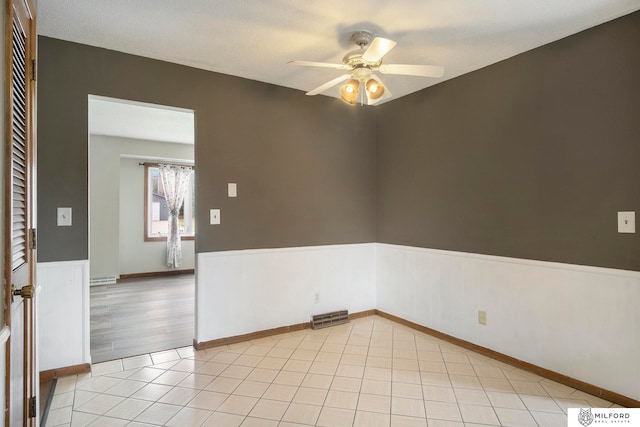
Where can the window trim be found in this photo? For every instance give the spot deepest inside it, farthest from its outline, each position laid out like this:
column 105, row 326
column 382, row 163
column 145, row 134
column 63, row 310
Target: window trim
column 148, row 238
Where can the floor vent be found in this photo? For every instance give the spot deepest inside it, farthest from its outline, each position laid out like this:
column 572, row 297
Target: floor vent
column 106, row 280
column 329, row 319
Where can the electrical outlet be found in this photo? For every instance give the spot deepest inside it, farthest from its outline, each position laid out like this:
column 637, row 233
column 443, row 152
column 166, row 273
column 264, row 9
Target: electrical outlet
column 317, row 298
column 482, row 317
column 214, row 216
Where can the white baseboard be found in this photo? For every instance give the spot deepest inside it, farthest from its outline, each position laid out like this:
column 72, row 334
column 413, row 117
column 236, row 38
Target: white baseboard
column 105, row 280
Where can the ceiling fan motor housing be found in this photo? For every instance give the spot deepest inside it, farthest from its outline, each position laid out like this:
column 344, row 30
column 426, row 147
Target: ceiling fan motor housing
column 353, row 58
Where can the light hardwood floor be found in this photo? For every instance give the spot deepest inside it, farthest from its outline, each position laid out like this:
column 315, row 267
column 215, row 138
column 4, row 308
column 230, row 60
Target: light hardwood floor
column 139, row 316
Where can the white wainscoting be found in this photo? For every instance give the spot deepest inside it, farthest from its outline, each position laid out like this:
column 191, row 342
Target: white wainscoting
column 63, row 314
column 245, row 291
column 583, row 322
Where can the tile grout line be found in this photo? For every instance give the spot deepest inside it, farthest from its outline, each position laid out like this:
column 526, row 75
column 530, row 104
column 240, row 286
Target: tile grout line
column 339, row 338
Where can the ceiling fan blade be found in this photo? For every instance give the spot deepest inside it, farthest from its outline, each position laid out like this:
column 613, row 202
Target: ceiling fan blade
column 378, row 48
column 319, row 64
column 412, row 70
column 329, row 84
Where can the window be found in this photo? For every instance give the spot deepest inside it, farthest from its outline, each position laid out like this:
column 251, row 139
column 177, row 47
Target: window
column 156, row 214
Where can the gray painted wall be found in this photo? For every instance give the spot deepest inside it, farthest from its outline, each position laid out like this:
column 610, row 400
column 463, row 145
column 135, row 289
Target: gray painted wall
column 529, row 158
column 305, row 167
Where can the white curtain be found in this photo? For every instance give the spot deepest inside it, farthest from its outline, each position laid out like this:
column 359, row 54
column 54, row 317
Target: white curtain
column 175, row 180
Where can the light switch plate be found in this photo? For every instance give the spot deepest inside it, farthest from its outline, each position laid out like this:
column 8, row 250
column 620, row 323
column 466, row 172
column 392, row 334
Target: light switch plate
column 232, row 189
column 64, row 217
column 214, row 216
column 627, row 222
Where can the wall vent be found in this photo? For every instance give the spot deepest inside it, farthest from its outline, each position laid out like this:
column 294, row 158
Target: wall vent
column 106, row 280
column 329, row 319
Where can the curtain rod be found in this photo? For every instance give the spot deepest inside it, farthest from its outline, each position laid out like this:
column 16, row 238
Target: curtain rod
column 165, row 163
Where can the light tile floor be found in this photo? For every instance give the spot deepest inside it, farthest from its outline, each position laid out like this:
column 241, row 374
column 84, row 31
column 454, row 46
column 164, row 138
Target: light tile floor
column 371, row 372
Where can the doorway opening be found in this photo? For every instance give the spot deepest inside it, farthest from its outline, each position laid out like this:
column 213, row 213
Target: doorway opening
column 140, row 303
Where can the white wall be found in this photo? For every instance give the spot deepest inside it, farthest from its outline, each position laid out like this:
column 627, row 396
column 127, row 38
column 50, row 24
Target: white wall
column 136, row 255
column 103, row 207
column 239, row 292
column 63, row 314
column 582, row 322
column 104, row 202
column 4, row 336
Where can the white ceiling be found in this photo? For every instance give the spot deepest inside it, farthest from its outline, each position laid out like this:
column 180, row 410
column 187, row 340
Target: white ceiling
column 255, row 39
column 114, row 117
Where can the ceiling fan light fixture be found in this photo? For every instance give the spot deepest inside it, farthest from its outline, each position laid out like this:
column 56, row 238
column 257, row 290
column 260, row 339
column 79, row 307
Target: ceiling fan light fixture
column 361, row 66
column 349, row 92
column 375, row 89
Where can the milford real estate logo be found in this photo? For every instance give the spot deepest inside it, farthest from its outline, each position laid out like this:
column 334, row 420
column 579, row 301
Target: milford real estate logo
column 585, row 417
column 579, row 417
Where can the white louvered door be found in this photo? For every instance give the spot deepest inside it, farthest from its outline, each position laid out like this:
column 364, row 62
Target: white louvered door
column 19, row 231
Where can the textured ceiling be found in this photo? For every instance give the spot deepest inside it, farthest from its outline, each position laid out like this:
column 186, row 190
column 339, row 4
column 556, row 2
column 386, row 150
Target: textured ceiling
column 255, row 39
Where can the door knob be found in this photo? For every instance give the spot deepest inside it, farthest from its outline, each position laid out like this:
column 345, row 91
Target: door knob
column 25, row 292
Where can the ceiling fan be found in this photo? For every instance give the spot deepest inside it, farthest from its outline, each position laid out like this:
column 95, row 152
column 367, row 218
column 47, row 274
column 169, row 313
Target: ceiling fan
column 361, row 65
